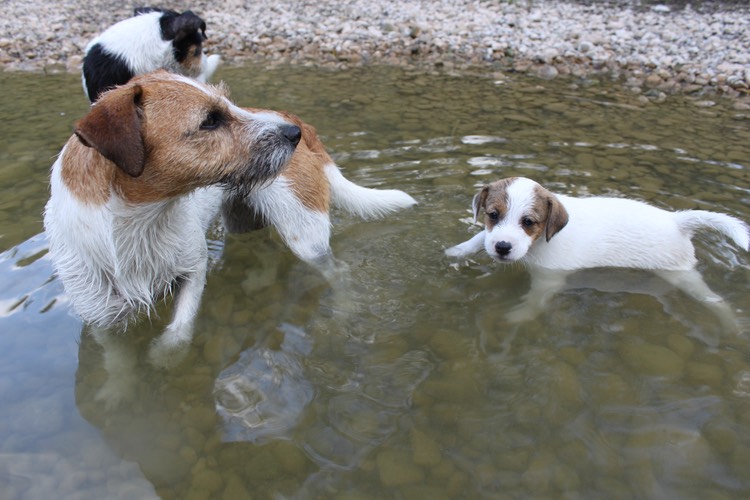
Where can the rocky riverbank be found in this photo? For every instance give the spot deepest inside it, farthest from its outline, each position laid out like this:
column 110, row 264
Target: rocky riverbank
column 653, row 48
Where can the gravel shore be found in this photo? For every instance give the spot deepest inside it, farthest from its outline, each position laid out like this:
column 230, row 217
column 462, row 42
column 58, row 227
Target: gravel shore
column 653, row 48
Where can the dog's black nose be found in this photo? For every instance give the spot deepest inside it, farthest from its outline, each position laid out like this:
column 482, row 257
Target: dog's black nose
column 292, row 133
column 503, row 248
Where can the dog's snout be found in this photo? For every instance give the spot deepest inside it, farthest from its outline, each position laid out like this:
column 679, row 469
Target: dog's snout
column 503, row 248
column 292, row 133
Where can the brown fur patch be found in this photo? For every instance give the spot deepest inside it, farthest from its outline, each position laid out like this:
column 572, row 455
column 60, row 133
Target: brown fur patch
column 555, row 216
column 86, row 173
column 122, row 144
column 306, row 169
column 191, row 65
column 538, row 214
column 495, row 199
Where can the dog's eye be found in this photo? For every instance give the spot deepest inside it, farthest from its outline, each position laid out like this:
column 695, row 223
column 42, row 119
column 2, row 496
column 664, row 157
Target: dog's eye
column 493, row 215
column 212, row 121
column 527, row 222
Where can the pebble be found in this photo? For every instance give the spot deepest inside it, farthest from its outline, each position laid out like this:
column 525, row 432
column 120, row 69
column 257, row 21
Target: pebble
column 396, row 468
column 688, row 48
column 426, row 450
column 652, row 360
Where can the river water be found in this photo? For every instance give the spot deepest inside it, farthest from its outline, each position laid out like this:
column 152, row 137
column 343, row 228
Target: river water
column 411, row 383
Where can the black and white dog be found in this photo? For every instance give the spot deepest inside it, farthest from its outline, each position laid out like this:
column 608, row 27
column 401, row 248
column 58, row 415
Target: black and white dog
column 152, row 39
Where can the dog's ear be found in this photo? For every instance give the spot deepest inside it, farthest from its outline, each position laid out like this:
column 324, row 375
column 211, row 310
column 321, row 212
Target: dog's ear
column 187, row 25
column 478, row 202
column 557, row 216
column 113, row 128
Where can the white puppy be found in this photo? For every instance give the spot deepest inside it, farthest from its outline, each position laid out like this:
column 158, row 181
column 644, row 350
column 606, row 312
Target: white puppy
column 526, row 223
column 136, row 187
column 153, row 39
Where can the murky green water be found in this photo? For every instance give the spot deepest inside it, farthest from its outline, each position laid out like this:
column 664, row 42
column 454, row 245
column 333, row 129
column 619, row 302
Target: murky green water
column 413, row 385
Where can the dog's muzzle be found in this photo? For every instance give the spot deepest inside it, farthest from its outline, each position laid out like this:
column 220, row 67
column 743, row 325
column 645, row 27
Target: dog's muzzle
column 271, row 152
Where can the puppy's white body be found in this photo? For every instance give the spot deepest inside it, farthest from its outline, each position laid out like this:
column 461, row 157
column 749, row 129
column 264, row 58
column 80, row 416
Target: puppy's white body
column 616, row 232
column 526, row 223
column 138, row 45
column 128, row 228
column 138, row 41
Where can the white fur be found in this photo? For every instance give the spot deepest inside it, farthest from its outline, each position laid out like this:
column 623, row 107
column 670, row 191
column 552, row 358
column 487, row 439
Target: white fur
column 306, row 232
column 361, row 201
column 138, row 41
column 602, row 232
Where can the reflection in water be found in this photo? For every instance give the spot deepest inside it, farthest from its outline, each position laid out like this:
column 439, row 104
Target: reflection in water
column 262, row 395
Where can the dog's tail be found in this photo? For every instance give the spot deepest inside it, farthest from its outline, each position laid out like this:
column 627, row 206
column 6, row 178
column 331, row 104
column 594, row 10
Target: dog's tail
column 738, row 231
column 365, row 202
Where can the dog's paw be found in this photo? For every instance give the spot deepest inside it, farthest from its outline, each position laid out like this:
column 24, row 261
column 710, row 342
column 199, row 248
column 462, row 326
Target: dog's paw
column 456, row 252
column 169, row 350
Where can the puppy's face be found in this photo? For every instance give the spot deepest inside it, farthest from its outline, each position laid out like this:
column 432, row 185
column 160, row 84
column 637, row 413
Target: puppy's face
column 517, row 212
column 168, row 135
column 187, row 33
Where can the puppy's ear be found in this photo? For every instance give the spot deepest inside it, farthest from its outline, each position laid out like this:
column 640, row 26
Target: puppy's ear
column 186, row 25
column 478, row 202
column 113, row 128
column 557, row 216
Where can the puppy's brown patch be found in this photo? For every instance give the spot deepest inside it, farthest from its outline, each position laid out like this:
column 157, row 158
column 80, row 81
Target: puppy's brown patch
column 493, row 198
column 554, row 217
column 192, row 64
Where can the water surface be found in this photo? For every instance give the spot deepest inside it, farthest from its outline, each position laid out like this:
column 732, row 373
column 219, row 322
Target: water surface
column 412, row 382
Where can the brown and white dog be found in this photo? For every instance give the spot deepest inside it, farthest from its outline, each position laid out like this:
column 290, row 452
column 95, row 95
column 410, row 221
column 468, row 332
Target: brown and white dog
column 555, row 235
column 135, row 189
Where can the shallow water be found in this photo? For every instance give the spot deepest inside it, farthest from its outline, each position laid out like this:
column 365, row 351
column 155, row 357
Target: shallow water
column 412, row 382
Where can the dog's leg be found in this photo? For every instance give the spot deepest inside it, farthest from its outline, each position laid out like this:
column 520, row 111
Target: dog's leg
column 691, row 282
column 170, row 348
column 544, row 285
column 305, row 231
column 467, row 248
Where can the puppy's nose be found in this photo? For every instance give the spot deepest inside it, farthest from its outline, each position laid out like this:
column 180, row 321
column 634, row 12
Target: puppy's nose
column 503, row 248
column 292, row 133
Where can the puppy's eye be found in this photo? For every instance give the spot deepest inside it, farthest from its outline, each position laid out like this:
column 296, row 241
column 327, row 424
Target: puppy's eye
column 527, row 222
column 493, row 215
column 213, row 121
